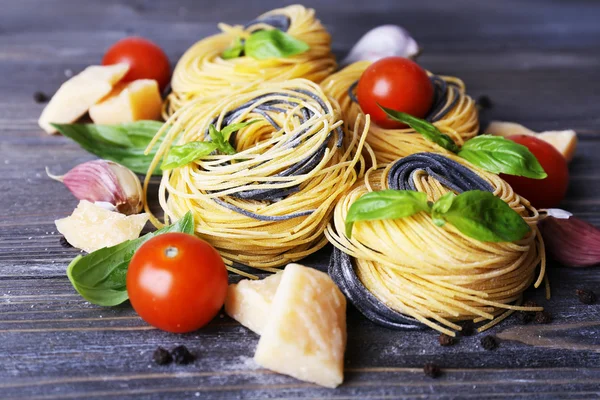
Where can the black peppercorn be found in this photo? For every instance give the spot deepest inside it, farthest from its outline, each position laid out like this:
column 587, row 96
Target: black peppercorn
column 468, row 328
column 40, row 97
column 489, row 342
column 63, row 242
column 484, row 102
column 432, row 370
column 524, row 317
column 586, row 296
column 162, row 356
column 543, row 317
column 446, row 340
column 182, row 355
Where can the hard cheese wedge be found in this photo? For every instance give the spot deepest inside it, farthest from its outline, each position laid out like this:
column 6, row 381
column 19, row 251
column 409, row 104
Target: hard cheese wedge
column 503, row 128
column 75, row 97
column 564, row 141
column 249, row 301
column 305, row 335
column 92, row 227
column 129, row 102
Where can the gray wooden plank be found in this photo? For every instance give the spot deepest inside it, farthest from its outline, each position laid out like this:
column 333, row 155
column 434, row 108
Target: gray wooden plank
column 78, row 337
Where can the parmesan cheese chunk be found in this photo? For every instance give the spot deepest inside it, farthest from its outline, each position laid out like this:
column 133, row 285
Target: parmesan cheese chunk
column 129, row 102
column 563, row 141
column 249, row 301
column 75, row 97
column 92, row 227
column 305, row 335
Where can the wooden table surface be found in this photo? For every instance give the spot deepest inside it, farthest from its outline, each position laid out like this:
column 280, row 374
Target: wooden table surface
column 538, row 61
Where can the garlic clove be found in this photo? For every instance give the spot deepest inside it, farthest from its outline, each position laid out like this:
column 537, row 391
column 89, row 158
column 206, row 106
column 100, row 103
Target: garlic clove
column 383, row 41
column 132, row 201
column 571, row 241
column 102, row 181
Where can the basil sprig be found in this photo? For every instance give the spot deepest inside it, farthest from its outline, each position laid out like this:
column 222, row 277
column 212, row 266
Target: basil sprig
column 186, row 153
column 100, row 277
column 265, row 44
column 123, row 143
column 477, row 214
column 189, row 152
column 491, row 153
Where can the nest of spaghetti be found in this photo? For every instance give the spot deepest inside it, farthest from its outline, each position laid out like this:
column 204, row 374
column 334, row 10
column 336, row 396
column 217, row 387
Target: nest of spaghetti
column 202, row 71
column 269, row 203
column 453, row 112
column 409, row 273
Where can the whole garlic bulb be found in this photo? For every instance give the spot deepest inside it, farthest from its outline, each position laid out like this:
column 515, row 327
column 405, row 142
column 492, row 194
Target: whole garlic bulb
column 383, row 41
column 101, row 182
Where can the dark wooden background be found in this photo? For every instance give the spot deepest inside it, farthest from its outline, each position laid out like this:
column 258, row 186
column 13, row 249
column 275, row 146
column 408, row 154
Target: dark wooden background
column 538, row 61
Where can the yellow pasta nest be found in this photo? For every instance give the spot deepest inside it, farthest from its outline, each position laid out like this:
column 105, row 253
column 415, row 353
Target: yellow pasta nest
column 461, row 122
column 437, row 275
column 201, row 71
column 269, row 203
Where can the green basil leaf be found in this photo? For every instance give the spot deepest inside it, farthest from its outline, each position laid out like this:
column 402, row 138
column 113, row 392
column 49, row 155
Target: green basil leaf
column 186, row 153
column 428, row 130
column 124, row 143
column 440, row 207
column 234, row 51
column 217, row 137
column 116, row 135
column 385, row 204
column 100, row 277
column 229, row 129
column 499, row 155
column 265, row 44
column 485, row 217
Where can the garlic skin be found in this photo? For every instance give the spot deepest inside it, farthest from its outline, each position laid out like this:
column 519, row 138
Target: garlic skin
column 571, row 241
column 103, row 181
column 383, row 41
column 557, row 213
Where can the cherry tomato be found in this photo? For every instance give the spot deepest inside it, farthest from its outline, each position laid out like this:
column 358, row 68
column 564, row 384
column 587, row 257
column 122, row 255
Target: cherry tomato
column 397, row 83
column 547, row 192
column 177, row 282
column 146, row 60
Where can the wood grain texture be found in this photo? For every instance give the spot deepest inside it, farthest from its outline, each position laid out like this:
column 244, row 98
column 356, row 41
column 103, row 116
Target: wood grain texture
column 537, row 61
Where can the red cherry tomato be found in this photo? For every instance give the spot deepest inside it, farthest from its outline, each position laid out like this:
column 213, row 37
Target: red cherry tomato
column 397, row 83
column 177, row 282
column 146, row 60
column 542, row 193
